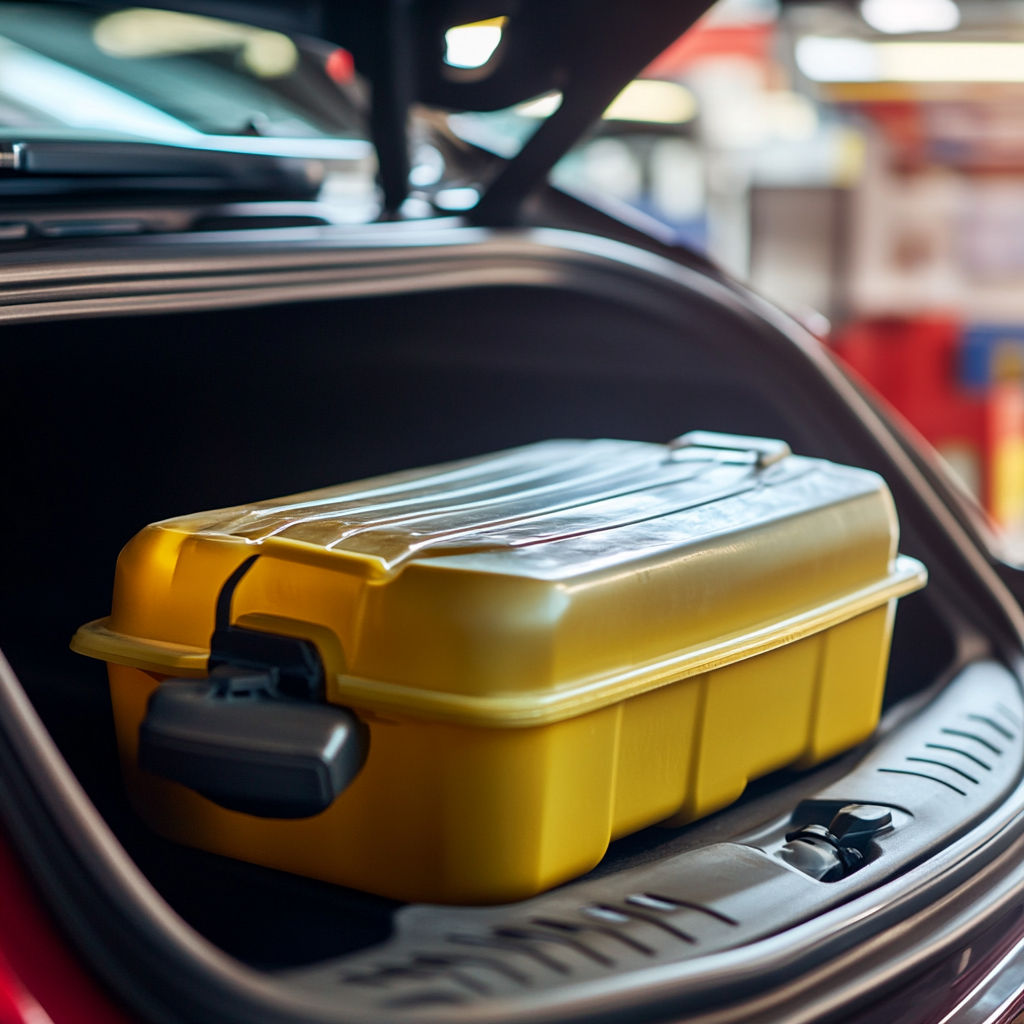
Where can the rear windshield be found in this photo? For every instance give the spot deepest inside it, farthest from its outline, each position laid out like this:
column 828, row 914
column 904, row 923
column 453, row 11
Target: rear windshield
column 165, row 75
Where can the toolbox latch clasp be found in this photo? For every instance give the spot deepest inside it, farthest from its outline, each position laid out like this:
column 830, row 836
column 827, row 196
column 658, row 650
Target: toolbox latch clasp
column 760, row 451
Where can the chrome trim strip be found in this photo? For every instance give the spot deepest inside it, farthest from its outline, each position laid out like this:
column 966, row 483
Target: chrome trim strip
column 995, row 995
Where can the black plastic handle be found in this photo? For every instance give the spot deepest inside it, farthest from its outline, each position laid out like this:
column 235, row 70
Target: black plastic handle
column 241, row 745
column 256, row 736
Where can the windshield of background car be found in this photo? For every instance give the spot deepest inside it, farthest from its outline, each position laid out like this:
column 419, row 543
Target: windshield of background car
column 163, row 76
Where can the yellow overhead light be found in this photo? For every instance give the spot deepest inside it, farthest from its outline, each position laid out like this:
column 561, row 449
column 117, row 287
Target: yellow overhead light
column 269, row 54
column 656, row 102
column 472, row 45
column 952, row 62
column 143, row 32
column 832, row 59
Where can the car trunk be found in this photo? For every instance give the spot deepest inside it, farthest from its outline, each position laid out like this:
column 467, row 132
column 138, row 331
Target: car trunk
column 113, row 422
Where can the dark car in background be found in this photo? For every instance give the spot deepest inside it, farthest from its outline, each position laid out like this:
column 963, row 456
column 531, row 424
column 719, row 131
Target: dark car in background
column 250, row 249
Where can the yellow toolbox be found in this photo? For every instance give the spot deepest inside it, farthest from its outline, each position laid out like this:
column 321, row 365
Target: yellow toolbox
column 458, row 684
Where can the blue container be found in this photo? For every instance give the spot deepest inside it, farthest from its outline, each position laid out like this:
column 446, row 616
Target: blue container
column 992, row 352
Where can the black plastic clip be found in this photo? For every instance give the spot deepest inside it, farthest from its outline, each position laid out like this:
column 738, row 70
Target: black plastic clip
column 295, row 662
column 833, row 852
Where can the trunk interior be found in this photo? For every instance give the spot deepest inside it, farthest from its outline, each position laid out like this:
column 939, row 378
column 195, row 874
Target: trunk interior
column 111, row 424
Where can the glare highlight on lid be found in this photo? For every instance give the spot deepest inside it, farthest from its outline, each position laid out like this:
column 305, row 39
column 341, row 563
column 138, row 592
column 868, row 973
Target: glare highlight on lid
column 898, row 16
column 824, row 59
column 654, row 102
column 472, row 46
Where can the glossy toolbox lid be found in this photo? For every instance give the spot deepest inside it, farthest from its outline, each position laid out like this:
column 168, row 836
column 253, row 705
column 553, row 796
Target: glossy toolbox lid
column 529, row 585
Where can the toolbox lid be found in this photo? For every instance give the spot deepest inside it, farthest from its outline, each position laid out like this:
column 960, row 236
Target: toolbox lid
column 531, row 584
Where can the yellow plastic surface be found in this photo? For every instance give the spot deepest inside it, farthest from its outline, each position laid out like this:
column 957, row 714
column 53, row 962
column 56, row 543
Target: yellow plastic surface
column 551, row 647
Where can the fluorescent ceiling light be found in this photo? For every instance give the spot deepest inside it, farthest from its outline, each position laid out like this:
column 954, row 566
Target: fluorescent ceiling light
column 654, row 102
column 471, row 46
column 825, row 59
column 898, row 16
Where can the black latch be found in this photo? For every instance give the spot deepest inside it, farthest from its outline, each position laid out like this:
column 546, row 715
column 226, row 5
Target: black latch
column 295, row 662
column 831, row 853
column 256, row 735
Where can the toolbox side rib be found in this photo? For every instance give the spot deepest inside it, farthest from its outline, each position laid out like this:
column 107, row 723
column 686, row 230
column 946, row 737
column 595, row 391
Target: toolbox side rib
column 95, row 639
column 544, row 706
